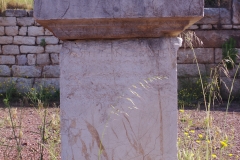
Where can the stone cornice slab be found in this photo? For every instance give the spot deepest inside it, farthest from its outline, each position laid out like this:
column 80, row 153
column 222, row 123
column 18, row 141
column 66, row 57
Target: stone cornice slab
column 107, row 19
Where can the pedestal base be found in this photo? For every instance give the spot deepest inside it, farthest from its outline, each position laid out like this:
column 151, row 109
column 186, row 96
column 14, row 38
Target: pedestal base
column 119, row 99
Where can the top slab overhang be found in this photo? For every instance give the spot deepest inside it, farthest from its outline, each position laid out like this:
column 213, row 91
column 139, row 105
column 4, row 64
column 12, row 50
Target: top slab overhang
column 109, row 19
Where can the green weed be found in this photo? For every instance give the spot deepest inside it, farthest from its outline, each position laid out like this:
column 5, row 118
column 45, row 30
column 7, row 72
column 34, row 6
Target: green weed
column 43, row 94
column 190, row 92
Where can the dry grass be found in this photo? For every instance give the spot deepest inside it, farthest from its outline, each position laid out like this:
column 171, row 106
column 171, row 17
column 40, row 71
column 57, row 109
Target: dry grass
column 16, row 4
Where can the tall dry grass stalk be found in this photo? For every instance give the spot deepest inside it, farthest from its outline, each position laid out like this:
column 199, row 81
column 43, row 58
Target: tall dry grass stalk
column 211, row 93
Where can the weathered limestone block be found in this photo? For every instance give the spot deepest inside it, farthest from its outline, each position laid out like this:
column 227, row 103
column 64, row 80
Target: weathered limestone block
column 23, row 31
column 11, row 31
column 193, row 27
column 35, row 31
column 8, row 21
column 6, row 39
column 53, row 48
column 232, row 73
column 238, row 58
column 23, row 84
column 227, row 26
column 26, row 71
column 25, row 21
column 15, row 13
column 206, row 26
column 215, row 16
column 113, row 88
column 190, row 70
column 48, row 39
column 21, row 59
column 52, row 71
column 236, row 11
column 10, row 49
column 20, row 83
column 225, row 90
column 54, row 58
column 43, row 59
column 47, row 82
column 32, row 58
column 48, row 33
column 24, row 40
column 216, row 38
column 2, row 32
column 215, row 26
column 6, row 80
column 209, row 67
column 4, row 70
column 236, row 26
column 31, row 49
column 7, row 59
column 37, row 24
column 30, row 13
column 116, row 19
column 183, row 81
column 204, row 55
column 218, row 55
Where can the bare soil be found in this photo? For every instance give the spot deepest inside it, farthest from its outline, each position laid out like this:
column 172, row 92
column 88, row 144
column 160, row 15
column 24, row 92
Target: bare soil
column 31, row 120
column 225, row 124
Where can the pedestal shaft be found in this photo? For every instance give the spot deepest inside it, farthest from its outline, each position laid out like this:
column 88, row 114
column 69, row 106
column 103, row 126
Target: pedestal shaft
column 119, row 99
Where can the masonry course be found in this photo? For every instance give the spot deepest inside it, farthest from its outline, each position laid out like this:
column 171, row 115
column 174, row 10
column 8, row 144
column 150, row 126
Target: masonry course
column 23, row 58
column 19, row 31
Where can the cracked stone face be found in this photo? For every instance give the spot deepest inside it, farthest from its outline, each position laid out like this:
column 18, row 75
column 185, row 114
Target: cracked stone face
column 119, row 99
column 108, row 19
column 82, row 9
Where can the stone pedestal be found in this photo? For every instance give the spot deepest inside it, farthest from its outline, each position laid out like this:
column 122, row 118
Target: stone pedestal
column 119, row 82
column 119, row 99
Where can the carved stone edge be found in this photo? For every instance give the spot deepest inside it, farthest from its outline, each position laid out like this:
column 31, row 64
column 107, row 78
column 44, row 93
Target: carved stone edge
column 73, row 29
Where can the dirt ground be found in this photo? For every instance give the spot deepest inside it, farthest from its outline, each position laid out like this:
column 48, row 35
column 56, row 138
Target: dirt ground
column 31, row 120
column 225, row 124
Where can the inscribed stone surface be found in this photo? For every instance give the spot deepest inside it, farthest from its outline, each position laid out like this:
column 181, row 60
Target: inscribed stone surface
column 119, row 99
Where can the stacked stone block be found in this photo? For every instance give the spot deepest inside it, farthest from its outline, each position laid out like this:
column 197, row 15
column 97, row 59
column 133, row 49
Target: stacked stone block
column 218, row 25
column 23, row 57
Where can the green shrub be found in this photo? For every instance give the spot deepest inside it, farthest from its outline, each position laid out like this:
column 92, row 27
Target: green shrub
column 44, row 94
column 190, row 92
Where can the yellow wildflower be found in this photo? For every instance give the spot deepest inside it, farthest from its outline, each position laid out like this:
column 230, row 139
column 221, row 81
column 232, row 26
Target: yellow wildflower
column 230, row 154
column 198, row 141
column 223, row 144
column 192, row 131
column 186, row 133
column 214, row 156
column 200, row 136
column 181, row 110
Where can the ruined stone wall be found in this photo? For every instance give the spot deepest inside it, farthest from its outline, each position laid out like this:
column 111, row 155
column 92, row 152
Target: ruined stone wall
column 218, row 25
column 29, row 54
column 27, row 60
